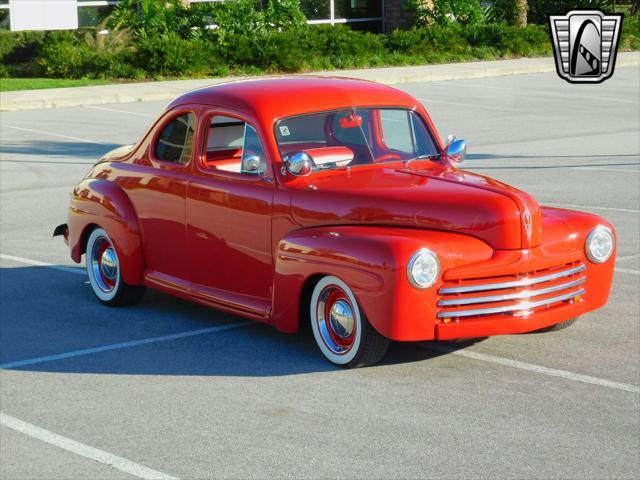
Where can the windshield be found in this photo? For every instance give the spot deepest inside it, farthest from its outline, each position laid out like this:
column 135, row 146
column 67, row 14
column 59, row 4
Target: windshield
column 358, row 136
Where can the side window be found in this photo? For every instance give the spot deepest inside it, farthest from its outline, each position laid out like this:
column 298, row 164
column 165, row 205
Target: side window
column 397, row 130
column 253, row 159
column 234, row 146
column 175, row 143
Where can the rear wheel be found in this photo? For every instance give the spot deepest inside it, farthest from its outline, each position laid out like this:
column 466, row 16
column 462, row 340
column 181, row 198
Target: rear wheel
column 103, row 269
column 559, row 326
column 343, row 334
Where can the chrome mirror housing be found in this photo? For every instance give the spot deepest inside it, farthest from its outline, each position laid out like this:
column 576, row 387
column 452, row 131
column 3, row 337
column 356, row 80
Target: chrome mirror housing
column 251, row 164
column 299, row 164
column 456, row 151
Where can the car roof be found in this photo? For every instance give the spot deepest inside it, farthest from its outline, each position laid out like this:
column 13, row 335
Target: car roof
column 272, row 98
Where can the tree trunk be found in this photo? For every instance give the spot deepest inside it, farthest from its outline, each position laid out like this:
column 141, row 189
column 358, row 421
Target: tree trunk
column 521, row 13
column 635, row 8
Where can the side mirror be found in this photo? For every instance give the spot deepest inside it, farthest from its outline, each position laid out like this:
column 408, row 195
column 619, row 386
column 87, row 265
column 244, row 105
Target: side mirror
column 251, row 164
column 456, row 151
column 299, row 164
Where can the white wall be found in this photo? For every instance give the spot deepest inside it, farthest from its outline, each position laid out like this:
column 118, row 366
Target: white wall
column 44, row 14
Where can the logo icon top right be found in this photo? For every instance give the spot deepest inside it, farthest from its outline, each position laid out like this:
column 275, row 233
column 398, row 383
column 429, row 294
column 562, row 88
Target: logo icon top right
column 585, row 43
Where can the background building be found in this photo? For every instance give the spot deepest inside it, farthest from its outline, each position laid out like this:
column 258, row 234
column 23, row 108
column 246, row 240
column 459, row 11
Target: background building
column 373, row 15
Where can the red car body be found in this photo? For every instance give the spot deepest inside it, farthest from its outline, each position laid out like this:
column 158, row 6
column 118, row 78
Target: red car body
column 254, row 245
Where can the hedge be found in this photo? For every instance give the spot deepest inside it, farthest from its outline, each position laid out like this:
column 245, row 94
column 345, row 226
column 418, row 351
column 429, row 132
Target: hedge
column 121, row 54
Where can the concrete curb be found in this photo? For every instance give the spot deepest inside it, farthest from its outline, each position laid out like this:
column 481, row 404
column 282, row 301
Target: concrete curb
column 139, row 92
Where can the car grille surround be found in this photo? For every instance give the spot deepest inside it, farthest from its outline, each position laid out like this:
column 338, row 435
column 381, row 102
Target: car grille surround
column 518, row 295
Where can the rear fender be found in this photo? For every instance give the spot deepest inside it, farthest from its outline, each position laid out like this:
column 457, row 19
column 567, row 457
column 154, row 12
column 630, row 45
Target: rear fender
column 373, row 262
column 102, row 203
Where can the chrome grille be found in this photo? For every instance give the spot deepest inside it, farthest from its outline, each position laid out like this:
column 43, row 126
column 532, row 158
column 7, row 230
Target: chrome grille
column 516, row 294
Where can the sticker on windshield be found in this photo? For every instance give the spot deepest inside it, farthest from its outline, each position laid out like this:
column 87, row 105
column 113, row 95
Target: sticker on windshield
column 284, row 131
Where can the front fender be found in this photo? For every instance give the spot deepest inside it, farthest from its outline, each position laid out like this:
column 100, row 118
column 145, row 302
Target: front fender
column 373, row 262
column 105, row 204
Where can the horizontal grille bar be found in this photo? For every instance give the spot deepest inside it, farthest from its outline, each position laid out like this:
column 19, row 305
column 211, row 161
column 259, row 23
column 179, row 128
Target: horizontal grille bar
column 511, row 308
column 511, row 296
column 523, row 282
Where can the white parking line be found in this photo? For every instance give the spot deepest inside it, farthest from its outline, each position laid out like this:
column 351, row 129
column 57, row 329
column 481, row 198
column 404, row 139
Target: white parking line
column 591, row 207
column 628, row 270
column 97, row 455
column 37, row 263
column 528, row 93
column 627, row 257
column 59, row 135
column 130, row 344
column 93, row 107
column 599, row 169
column 553, row 372
column 472, row 105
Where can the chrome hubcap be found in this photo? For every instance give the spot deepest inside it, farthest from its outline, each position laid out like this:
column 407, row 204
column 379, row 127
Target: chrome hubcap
column 108, row 264
column 336, row 320
column 104, row 264
column 341, row 318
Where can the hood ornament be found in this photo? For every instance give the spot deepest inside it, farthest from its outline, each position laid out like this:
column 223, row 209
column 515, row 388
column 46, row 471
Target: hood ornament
column 527, row 222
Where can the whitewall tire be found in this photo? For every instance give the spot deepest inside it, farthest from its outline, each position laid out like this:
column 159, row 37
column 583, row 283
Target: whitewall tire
column 103, row 270
column 342, row 332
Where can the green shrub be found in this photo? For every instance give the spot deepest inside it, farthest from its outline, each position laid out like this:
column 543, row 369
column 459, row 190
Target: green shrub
column 151, row 17
column 21, row 47
column 63, row 56
column 630, row 34
column 284, row 14
column 171, row 55
column 443, row 12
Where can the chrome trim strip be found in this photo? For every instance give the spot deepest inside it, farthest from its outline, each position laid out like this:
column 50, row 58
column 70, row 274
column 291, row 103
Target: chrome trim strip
column 512, row 296
column 511, row 308
column 523, row 282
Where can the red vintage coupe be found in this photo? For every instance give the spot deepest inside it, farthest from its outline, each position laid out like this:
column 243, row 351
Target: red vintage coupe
column 332, row 202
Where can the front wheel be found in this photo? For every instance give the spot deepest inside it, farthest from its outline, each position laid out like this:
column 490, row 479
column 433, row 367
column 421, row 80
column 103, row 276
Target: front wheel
column 343, row 334
column 105, row 277
column 558, row 326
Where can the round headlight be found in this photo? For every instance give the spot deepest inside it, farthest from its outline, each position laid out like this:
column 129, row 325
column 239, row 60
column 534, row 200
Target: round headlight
column 599, row 244
column 423, row 268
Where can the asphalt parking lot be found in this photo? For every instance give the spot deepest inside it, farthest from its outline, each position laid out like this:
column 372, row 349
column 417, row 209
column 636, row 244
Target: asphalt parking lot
column 168, row 387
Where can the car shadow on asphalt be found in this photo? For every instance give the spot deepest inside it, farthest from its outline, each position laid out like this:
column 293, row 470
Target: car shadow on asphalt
column 57, row 148
column 48, row 312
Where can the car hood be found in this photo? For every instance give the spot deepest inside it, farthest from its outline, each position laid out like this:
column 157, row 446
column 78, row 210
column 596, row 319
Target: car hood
column 431, row 197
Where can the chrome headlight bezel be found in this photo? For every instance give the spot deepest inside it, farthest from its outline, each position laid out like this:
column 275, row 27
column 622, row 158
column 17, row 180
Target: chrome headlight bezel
column 423, row 253
column 600, row 229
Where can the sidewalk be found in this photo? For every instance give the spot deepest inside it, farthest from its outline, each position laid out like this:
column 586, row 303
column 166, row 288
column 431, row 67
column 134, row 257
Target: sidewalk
column 139, row 92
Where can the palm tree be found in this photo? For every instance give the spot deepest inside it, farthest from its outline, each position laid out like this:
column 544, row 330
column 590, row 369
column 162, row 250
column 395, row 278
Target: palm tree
column 521, row 12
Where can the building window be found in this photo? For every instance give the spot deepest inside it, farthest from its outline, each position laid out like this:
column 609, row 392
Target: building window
column 316, row 9
column 92, row 12
column 359, row 14
column 5, row 15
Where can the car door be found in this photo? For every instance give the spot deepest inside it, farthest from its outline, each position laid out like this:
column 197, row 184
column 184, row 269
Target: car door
column 228, row 212
column 158, row 190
